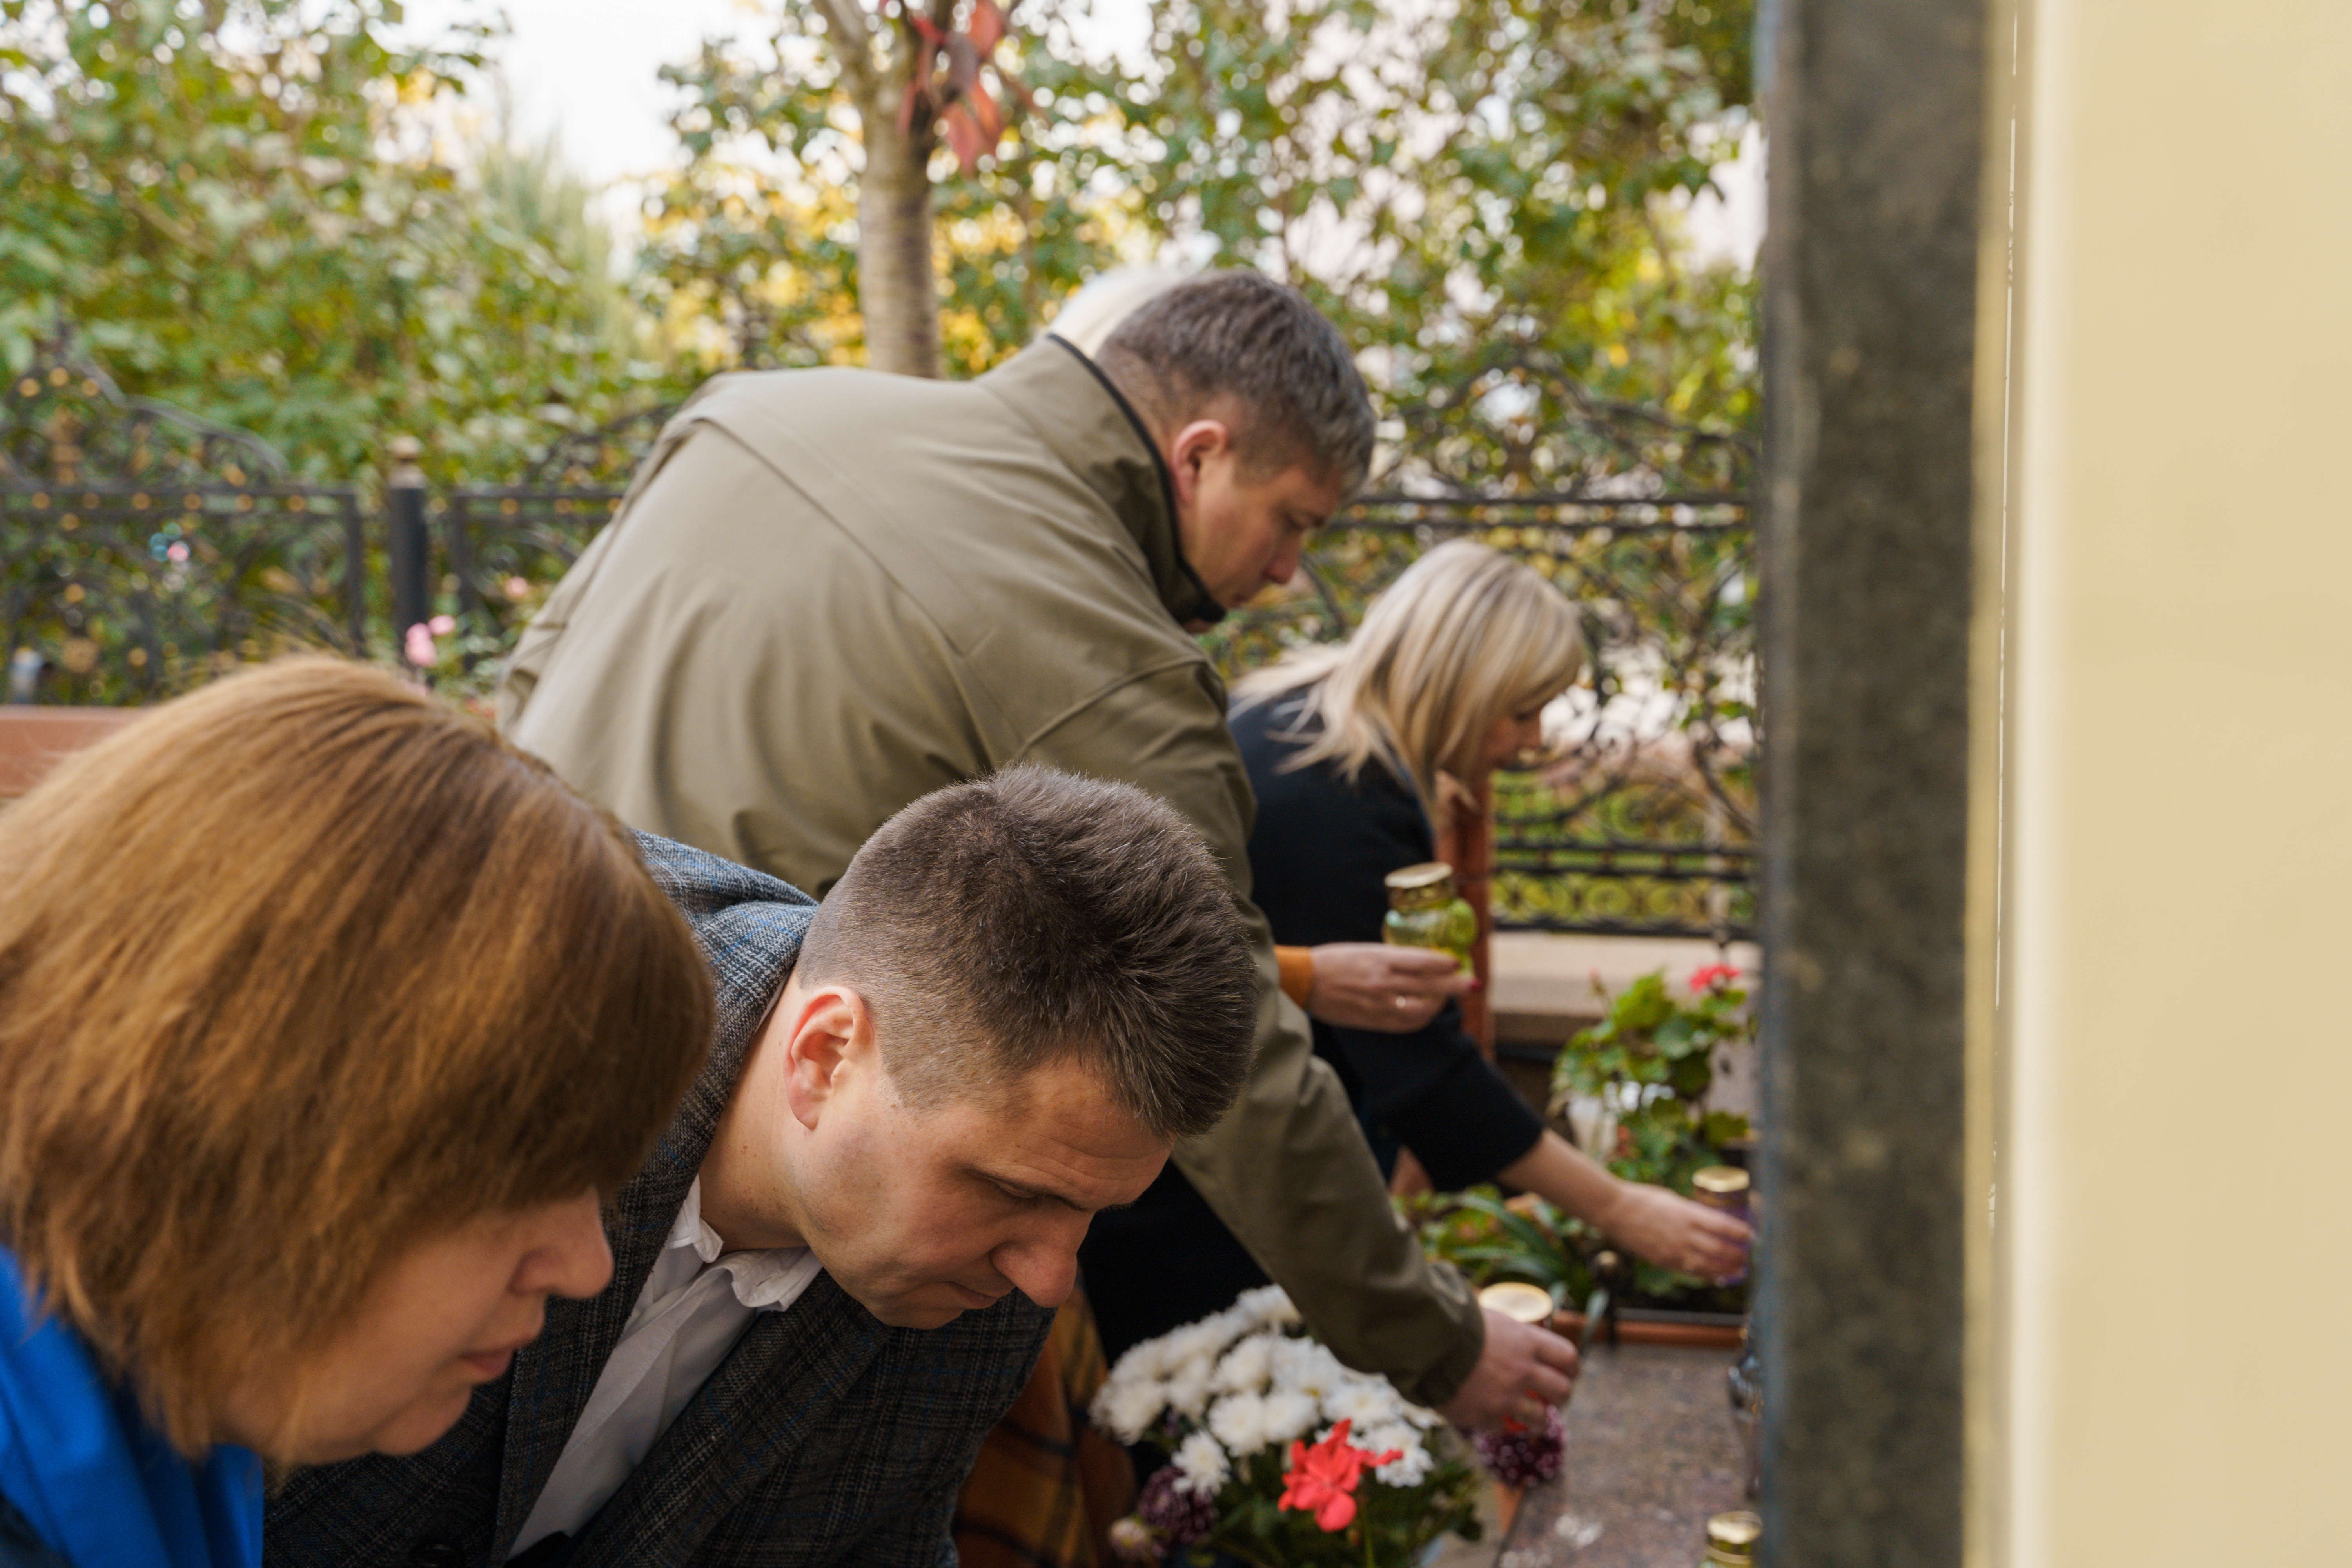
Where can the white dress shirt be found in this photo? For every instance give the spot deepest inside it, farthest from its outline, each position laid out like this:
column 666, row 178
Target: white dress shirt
column 694, row 1305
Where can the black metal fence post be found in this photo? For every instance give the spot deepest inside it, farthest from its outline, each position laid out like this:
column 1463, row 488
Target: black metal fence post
column 356, row 574
column 411, row 603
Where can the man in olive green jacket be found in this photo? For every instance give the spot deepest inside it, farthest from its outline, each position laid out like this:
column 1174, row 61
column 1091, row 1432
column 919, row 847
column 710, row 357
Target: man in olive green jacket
column 829, row 592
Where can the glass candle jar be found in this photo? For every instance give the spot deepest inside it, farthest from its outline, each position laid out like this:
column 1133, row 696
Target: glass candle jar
column 1425, row 912
column 1725, row 1188
column 1731, row 1539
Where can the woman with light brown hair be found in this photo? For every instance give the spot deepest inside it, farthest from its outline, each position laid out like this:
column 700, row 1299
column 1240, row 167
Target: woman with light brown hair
column 325, row 1018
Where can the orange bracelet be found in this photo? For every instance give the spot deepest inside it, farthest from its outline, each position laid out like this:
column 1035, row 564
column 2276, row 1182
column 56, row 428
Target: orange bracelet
column 1297, row 966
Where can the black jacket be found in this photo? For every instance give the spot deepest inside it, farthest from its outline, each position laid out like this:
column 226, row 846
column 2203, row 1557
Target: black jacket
column 1318, row 853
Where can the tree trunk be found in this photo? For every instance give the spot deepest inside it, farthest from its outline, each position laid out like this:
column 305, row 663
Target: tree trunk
column 897, row 287
column 897, row 291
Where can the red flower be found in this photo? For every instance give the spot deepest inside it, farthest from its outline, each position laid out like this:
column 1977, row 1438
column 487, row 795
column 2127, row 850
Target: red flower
column 1702, row 979
column 1322, row 1479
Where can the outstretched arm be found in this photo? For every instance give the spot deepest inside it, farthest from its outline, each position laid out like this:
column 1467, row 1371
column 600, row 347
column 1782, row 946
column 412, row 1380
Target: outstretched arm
column 1669, row 1230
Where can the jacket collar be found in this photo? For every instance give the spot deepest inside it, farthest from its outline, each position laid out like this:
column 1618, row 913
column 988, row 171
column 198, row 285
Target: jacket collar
column 1092, row 428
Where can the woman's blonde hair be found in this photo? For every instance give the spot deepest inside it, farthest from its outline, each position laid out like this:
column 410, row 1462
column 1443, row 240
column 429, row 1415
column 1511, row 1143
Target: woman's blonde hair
column 295, row 972
column 1464, row 637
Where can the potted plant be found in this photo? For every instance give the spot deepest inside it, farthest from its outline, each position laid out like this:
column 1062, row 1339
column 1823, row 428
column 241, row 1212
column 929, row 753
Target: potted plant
column 1640, row 1077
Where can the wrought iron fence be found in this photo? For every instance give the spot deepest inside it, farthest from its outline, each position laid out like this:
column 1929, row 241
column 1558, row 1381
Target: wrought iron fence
column 140, row 548
column 145, row 548
column 505, row 542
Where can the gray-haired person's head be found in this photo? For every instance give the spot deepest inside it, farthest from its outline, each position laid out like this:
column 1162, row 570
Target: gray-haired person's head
column 1036, row 917
column 1240, row 346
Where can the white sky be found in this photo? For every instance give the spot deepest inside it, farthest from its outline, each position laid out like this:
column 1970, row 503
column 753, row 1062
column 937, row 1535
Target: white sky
column 588, row 71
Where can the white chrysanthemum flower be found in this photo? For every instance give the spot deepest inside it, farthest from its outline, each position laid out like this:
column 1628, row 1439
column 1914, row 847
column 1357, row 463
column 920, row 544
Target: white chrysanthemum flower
column 1190, row 1343
column 1229, row 1325
column 1420, row 1416
column 1413, row 1461
column 1366, row 1401
column 1129, row 1406
column 1239, row 1422
column 1305, row 1367
column 1141, row 1364
column 1201, row 1467
column 1289, row 1414
column 1246, row 1367
column 1188, row 1390
column 1268, row 1306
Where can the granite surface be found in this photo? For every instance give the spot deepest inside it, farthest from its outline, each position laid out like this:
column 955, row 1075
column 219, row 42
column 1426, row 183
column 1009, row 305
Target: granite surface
column 1867, row 543
column 1651, row 1455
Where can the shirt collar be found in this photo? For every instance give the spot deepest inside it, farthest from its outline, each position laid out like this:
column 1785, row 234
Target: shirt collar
column 759, row 1278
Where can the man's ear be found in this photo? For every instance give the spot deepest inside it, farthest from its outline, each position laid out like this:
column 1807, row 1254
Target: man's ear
column 831, row 1038
column 1190, row 450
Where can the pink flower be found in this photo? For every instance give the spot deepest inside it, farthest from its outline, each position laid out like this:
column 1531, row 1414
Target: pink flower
column 419, row 647
column 178, row 551
column 1322, row 1479
column 1713, row 974
column 441, row 625
column 517, row 588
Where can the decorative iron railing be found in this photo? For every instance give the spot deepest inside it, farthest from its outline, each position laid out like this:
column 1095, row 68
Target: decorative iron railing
column 140, row 548
column 144, row 549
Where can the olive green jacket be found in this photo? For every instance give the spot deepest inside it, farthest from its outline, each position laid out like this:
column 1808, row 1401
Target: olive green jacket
column 829, row 592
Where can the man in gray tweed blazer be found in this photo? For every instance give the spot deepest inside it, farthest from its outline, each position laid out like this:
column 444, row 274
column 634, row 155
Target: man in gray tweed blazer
column 834, row 1273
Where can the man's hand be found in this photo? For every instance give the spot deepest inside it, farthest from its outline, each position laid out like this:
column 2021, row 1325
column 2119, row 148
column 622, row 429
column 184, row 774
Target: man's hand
column 1523, row 1371
column 1373, row 985
column 1672, row 1232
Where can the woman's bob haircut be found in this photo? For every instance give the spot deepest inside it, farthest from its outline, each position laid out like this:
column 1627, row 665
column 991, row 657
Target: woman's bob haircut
column 1466, row 637
column 297, row 972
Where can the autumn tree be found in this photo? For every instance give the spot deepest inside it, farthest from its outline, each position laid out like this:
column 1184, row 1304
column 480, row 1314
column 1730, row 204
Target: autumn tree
column 245, row 210
column 1481, row 193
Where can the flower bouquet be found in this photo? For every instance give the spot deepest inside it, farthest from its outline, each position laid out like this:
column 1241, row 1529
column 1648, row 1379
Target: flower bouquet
column 1281, row 1456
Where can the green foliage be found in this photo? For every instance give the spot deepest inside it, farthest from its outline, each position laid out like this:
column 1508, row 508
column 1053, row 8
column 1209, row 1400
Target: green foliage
column 1472, row 196
column 753, row 254
column 243, row 210
column 1651, row 1061
column 1490, row 1238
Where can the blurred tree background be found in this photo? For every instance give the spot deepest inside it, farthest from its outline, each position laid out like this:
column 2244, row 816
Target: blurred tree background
column 273, row 213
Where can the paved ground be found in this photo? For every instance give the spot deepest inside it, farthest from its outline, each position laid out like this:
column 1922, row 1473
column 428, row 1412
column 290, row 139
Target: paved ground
column 1651, row 1455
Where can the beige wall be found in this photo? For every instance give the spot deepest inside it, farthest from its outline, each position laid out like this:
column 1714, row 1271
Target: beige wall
column 2176, row 1199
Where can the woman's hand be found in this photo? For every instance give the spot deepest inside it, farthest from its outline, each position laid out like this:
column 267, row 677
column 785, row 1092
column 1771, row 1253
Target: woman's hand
column 1374, row 985
column 1672, row 1232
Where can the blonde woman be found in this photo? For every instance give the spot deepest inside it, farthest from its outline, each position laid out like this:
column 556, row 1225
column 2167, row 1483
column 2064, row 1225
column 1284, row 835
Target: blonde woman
column 325, row 1017
column 1348, row 748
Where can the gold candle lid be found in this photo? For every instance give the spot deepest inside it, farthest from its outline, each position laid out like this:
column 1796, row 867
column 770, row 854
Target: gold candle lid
column 1517, row 1300
column 1420, row 886
column 1720, row 1182
column 1731, row 1537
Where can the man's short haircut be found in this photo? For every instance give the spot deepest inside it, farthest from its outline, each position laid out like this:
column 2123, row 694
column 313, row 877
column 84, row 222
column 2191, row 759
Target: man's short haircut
column 1034, row 916
column 1242, row 338
column 295, row 972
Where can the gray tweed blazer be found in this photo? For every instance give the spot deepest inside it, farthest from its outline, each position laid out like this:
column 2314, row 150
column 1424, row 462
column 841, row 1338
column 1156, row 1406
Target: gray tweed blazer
column 825, row 1437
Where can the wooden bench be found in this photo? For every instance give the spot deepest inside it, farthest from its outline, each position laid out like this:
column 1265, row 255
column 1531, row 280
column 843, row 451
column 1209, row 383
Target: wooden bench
column 33, row 739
